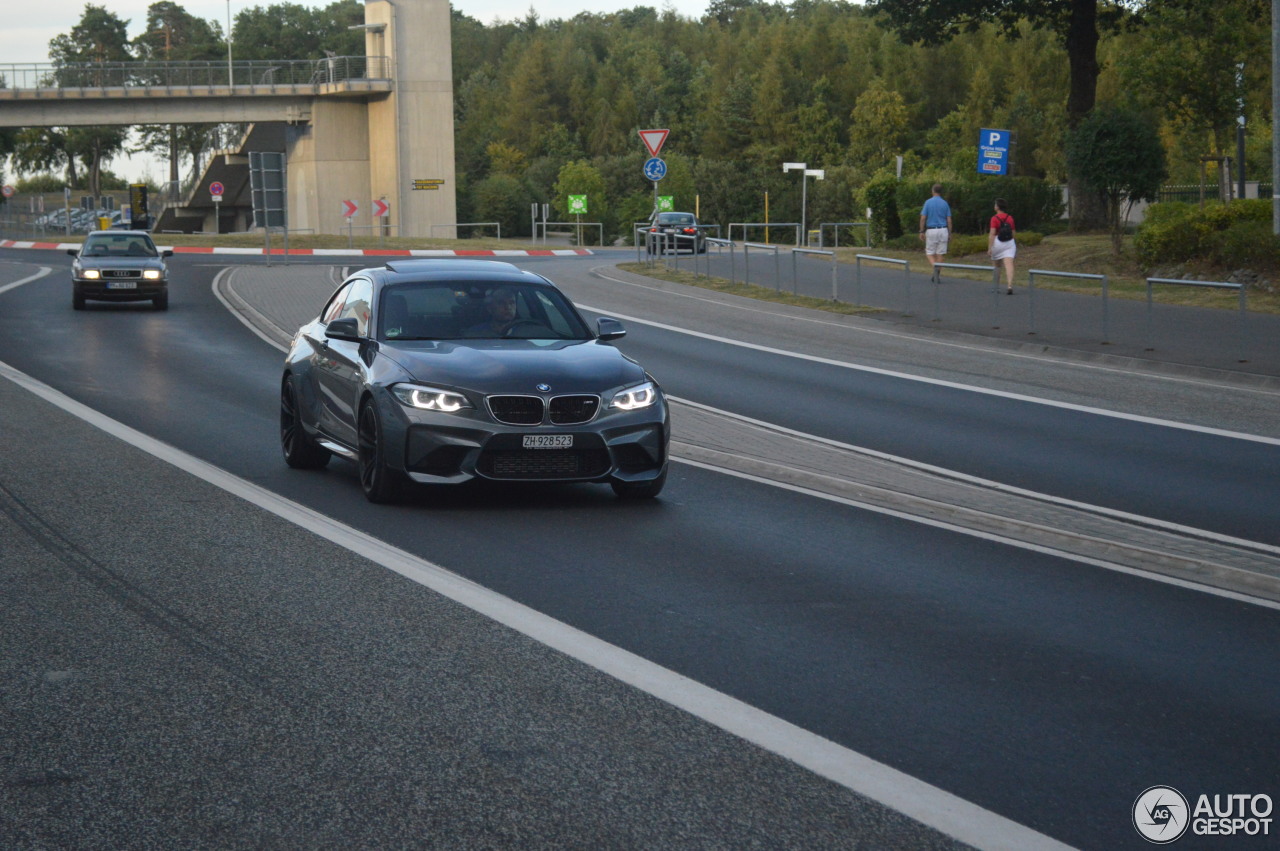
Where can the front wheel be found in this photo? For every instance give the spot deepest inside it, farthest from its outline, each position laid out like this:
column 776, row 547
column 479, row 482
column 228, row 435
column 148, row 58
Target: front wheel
column 380, row 483
column 77, row 300
column 640, row 490
column 300, row 450
column 161, row 301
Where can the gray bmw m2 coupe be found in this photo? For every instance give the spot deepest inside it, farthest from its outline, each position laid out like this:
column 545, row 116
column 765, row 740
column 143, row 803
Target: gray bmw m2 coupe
column 441, row 371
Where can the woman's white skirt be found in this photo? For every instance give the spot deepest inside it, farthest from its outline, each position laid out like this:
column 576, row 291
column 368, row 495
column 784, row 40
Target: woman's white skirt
column 1001, row 250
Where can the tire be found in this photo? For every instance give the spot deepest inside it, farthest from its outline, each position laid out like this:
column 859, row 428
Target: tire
column 161, row 302
column 77, row 300
column 380, row 483
column 640, row 490
column 301, row 452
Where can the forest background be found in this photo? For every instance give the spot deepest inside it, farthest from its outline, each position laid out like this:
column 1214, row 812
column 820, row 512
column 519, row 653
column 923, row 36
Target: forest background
column 545, row 109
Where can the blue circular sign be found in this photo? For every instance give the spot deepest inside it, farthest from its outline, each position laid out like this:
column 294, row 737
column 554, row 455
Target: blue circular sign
column 655, row 169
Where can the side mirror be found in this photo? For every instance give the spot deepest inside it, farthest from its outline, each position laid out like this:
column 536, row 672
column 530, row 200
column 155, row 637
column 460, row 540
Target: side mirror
column 609, row 329
column 74, row 252
column 168, row 252
column 343, row 329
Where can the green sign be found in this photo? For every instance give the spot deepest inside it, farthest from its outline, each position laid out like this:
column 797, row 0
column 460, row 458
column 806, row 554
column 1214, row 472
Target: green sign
column 666, row 203
column 577, row 204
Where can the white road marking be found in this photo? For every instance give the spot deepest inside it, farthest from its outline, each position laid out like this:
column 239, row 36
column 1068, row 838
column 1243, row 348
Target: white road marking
column 44, row 270
column 1217, row 432
column 925, row 340
column 929, row 805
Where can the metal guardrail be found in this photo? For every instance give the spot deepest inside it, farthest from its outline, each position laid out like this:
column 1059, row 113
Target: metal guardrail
column 906, row 268
column 20, row 80
column 766, row 226
column 1031, row 292
column 1224, row 285
column 866, row 226
column 817, row 251
column 746, row 262
column 578, row 225
column 937, row 282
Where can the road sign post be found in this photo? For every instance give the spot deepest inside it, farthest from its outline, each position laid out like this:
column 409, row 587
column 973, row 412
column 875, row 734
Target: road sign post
column 654, row 168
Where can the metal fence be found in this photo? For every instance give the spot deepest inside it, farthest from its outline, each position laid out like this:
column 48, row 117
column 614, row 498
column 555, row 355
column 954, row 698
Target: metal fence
column 20, row 80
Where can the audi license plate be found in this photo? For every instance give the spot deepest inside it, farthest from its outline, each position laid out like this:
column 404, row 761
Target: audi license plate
column 122, row 285
column 548, row 441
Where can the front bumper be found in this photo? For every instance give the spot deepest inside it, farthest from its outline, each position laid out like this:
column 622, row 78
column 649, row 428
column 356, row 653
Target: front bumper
column 447, row 449
column 98, row 290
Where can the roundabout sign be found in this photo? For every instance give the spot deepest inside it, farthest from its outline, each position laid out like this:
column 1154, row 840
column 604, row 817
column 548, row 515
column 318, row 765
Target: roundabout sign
column 655, row 169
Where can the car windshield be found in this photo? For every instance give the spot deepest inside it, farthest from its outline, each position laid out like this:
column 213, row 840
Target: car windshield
column 452, row 310
column 118, row 245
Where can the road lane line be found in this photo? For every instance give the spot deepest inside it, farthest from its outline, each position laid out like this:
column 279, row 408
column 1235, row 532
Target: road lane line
column 44, row 270
column 921, row 338
column 1019, row 397
column 929, row 805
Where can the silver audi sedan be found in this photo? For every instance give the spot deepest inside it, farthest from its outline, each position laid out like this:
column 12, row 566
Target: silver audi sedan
column 119, row 265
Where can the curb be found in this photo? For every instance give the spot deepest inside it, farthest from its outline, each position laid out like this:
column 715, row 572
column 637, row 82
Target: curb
column 332, row 252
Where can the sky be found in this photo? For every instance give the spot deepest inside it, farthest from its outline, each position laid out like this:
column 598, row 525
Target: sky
column 25, row 36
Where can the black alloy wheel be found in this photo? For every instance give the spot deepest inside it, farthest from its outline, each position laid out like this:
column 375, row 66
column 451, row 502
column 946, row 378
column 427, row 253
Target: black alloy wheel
column 380, row 483
column 300, row 451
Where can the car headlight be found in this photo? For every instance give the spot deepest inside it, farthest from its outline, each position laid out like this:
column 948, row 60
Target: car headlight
column 91, row 274
column 635, row 398
column 152, row 274
column 430, row 398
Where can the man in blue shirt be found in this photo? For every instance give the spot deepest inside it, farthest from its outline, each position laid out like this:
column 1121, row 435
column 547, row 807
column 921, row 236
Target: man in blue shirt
column 935, row 226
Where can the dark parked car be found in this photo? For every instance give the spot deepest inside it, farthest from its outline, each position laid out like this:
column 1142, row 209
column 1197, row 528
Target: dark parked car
column 119, row 266
column 675, row 232
column 441, row 371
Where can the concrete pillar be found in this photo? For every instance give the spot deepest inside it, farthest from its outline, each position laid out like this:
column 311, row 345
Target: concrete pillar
column 410, row 130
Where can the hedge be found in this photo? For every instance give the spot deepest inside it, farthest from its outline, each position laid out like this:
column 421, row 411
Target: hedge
column 1235, row 235
column 1032, row 203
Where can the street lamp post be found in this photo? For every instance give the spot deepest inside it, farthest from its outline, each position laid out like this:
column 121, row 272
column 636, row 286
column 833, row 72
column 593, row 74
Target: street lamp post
column 806, row 173
column 231, row 81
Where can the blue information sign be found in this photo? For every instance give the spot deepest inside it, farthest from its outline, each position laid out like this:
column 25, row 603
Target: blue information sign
column 993, row 152
column 655, row 169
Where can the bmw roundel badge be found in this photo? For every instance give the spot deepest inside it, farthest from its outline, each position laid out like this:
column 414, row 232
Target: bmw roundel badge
column 544, row 388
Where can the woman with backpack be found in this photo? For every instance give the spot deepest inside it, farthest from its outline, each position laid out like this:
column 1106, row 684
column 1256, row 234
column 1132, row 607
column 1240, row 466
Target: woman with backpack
column 1000, row 242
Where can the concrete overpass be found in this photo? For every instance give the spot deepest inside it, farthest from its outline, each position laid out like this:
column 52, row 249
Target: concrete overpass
column 352, row 128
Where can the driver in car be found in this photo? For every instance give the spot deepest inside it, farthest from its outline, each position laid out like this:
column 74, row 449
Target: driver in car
column 501, row 305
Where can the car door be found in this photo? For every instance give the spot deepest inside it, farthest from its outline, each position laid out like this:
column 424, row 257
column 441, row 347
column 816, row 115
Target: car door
column 319, row 356
column 339, row 369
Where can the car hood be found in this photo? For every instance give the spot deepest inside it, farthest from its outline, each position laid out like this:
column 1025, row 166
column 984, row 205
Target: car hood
column 516, row 366
column 120, row 262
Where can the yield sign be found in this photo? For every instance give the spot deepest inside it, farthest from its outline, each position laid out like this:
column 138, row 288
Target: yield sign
column 653, row 140
column 350, row 208
column 380, row 209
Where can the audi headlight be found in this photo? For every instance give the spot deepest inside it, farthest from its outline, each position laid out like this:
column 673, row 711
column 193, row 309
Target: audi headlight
column 430, row 398
column 635, row 398
column 151, row 274
column 91, row 274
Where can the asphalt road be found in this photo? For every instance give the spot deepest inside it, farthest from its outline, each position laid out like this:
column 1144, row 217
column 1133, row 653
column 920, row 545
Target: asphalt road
column 193, row 670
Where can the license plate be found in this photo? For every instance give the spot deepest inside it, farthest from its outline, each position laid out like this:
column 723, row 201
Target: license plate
column 122, row 285
column 548, row 441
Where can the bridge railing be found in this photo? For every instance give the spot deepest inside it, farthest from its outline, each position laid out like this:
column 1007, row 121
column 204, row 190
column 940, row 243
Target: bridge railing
column 19, row 78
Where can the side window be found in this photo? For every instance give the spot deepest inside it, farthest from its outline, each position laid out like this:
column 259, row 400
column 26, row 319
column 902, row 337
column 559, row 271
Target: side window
column 357, row 304
column 333, row 309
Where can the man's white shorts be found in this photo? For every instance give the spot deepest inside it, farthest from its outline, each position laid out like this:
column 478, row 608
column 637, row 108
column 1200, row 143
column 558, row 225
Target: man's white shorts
column 935, row 240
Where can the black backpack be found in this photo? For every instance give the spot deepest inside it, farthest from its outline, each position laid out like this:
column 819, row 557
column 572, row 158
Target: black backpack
column 1004, row 232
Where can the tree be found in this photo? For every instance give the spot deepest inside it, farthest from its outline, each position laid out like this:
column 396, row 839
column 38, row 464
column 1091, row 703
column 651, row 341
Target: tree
column 1078, row 23
column 174, row 35
column 580, row 178
column 1117, row 153
column 879, row 127
column 1188, row 59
